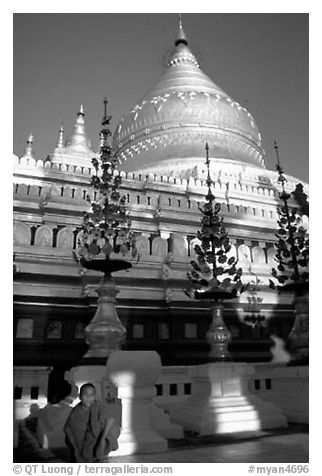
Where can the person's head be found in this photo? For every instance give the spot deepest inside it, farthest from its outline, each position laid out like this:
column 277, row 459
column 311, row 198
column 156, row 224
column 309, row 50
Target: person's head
column 87, row 394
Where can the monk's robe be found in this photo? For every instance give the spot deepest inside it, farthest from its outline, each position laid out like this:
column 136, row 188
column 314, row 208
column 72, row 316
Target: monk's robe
column 87, row 427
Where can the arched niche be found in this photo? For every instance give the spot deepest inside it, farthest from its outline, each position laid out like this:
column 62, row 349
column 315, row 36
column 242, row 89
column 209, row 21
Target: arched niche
column 21, row 234
column 244, row 255
column 78, row 194
column 258, row 255
column 44, row 236
column 159, row 246
column 34, row 190
column 79, row 238
column 271, row 256
column 65, row 238
column 142, row 244
column 22, row 189
column 179, row 246
column 193, row 243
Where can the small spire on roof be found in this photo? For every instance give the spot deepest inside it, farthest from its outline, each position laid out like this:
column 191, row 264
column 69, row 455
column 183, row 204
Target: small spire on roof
column 78, row 141
column 60, row 143
column 181, row 37
column 29, row 151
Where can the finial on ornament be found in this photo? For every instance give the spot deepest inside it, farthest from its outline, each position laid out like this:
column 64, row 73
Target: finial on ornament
column 209, row 182
column 105, row 101
column 277, row 155
column 281, row 176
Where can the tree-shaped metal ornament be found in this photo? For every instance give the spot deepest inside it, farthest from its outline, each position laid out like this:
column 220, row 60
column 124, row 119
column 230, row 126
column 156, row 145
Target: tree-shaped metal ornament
column 292, row 256
column 214, row 275
column 106, row 229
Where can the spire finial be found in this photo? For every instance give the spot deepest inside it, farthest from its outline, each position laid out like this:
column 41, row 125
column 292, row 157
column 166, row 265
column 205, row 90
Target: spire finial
column 81, row 110
column 181, row 37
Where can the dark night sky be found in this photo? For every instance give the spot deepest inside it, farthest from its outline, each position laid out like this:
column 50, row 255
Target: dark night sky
column 61, row 60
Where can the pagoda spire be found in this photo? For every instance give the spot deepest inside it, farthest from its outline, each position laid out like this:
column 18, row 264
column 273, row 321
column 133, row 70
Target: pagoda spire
column 78, row 141
column 181, row 36
column 29, row 151
column 181, row 53
column 60, row 143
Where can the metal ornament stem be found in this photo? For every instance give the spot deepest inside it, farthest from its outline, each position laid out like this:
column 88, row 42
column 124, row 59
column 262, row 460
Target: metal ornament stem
column 298, row 338
column 105, row 333
column 218, row 336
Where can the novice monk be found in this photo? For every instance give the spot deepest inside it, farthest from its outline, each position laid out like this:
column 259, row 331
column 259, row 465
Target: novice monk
column 90, row 431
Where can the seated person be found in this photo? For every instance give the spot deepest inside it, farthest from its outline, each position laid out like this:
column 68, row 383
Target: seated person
column 89, row 429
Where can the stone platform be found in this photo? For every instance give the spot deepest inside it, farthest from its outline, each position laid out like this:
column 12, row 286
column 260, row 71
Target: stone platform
column 290, row 445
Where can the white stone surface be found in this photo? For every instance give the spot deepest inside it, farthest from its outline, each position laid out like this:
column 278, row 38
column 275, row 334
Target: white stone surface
column 135, row 373
column 289, row 389
column 27, row 377
column 221, row 402
column 160, row 422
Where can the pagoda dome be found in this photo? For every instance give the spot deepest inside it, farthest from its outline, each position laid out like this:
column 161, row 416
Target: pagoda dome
column 182, row 111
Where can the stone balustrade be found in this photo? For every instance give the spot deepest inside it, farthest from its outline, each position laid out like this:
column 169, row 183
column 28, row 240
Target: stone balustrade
column 286, row 387
column 147, row 199
column 30, row 390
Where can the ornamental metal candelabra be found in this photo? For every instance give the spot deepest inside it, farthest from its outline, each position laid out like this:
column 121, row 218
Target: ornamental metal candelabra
column 292, row 255
column 106, row 229
column 214, row 275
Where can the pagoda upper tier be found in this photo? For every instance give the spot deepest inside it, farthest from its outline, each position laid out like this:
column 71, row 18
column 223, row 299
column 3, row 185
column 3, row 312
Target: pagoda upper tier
column 182, row 111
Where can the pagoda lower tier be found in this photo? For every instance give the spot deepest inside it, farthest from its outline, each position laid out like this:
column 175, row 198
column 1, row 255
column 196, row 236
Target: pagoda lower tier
column 54, row 299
